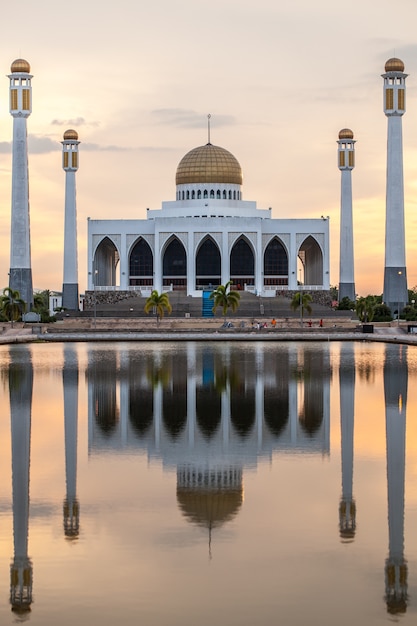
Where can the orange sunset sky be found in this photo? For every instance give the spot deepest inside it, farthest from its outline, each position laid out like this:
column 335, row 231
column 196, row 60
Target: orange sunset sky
column 137, row 80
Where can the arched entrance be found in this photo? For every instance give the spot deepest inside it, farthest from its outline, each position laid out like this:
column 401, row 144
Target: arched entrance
column 207, row 265
column 311, row 258
column 174, row 266
column 275, row 264
column 242, row 264
column 106, row 260
column 141, row 265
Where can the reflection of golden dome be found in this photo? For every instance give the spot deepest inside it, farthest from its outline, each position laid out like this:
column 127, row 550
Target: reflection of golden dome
column 394, row 65
column 20, row 65
column 209, row 507
column 345, row 133
column 209, row 164
column 71, row 135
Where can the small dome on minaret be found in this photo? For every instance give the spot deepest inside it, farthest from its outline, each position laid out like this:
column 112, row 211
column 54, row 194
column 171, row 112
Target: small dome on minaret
column 71, row 135
column 20, row 65
column 345, row 133
column 394, row 65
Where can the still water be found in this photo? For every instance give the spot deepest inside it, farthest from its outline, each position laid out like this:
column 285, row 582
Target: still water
column 184, row 484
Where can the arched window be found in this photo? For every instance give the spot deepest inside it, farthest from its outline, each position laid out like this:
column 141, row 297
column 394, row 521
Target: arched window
column 175, row 265
column 211, row 193
column 199, row 194
column 141, row 264
column 183, row 195
column 218, row 194
column 193, row 194
column 224, row 194
column 234, row 195
column 188, row 195
column 205, row 193
column 208, row 264
column 275, row 259
column 230, row 195
column 242, row 263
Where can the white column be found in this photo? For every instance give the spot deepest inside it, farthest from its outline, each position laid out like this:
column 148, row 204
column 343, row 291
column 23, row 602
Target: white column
column 70, row 292
column 20, row 277
column 395, row 273
column 346, row 162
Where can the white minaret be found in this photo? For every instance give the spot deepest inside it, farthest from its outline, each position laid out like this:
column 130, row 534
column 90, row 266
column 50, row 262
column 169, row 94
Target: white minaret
column 395, row 389
column 346, row 163
column 70, row 166
column 395, row 273
column 20, row 277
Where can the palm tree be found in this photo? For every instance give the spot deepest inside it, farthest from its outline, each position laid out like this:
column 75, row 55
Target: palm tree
column 158, row 302
column 12, row 305
column 365, row 308
column 301, row 300
column 225, row 298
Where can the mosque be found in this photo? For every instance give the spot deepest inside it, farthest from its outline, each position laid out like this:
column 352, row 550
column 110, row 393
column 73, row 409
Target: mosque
column 208, row 235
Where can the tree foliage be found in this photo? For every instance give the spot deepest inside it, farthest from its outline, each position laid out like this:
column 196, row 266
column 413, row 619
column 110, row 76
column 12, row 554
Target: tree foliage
column 365, row 308
column 225, row 298
column 12, row 305
column 158, row 302
column 302, row 301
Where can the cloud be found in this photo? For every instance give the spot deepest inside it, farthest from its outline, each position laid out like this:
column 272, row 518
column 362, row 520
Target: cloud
column 73, row 122
column 5, row 147
column 185, row 118
column 42, row 145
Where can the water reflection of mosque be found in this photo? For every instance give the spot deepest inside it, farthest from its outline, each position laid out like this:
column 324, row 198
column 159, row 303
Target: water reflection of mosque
column 208, row 411
column 230, row 411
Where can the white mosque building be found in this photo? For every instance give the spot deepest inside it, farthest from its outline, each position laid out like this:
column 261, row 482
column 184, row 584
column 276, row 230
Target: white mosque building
column 208, row 236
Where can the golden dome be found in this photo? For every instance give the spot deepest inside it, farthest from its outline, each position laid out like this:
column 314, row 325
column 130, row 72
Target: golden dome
column 394, row 65
column 209, row 164
column 345, row 133
column 70, row 134
column 209, row 507
column 20, row 65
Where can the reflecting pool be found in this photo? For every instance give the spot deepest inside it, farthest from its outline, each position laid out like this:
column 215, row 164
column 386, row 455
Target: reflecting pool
column 201, row 483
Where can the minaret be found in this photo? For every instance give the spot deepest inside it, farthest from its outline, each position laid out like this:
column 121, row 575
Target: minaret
column 395, row 388
column 70, row 166
column 20, row 277
column 21, row 570
column 395, row 273
column 346, row 162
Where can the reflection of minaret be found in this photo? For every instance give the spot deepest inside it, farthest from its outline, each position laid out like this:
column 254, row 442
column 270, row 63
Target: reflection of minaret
column 70, row 165
column 20, row 390
column 346, row 151
column 20, row 108
column 395, row 386
column 70, row 383
column 347, row 508
column 395, row 274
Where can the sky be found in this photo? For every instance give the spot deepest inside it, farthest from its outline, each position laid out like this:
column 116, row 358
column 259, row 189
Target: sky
column 137, row 80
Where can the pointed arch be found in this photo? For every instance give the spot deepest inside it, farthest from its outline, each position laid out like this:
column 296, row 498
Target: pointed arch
column 141, row 264
column 105, row 262
column 242, row 263
column 207, row 264
column 275, row 263
column 174, row 265
column 311, row 256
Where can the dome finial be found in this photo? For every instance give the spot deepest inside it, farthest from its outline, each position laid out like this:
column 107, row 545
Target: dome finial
column 208, row 127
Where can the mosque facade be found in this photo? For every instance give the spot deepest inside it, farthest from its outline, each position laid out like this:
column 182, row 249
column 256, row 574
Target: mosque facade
column 208, row 236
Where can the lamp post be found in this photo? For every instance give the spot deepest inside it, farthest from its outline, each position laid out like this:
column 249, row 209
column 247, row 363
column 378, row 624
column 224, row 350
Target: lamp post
column 398, row 312
column 95, row 300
